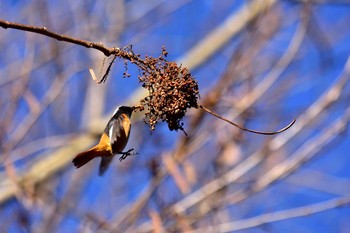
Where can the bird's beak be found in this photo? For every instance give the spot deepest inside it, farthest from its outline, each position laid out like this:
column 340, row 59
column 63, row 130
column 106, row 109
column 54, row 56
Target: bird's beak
column 135, row 107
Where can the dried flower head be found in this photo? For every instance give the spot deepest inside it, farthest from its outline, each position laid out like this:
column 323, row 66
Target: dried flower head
column 171, row 91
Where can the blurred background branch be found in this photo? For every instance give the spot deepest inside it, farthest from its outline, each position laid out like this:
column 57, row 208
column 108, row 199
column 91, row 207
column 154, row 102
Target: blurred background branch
column 258, row 63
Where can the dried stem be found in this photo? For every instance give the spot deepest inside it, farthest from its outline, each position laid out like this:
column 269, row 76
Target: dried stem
column 245, row 129
column 104, row 78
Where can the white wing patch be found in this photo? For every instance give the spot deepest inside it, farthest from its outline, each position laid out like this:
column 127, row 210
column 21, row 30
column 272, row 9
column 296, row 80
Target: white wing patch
column 110, row 134
column 116, row 110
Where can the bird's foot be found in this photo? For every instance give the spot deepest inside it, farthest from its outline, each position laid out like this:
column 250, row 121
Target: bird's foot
column 126, row 154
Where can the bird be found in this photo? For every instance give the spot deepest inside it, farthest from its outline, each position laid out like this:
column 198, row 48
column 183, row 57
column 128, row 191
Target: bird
column 112, row 142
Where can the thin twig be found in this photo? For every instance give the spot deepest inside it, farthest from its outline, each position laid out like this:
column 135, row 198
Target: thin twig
column 245, row 129
column 104, row 78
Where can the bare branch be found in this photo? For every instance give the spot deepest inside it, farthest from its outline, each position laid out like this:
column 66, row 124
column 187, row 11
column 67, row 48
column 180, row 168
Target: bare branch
column 43, row 31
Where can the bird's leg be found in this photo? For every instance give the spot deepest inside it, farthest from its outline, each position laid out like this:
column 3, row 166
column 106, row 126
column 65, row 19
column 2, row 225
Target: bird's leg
column 126, row 154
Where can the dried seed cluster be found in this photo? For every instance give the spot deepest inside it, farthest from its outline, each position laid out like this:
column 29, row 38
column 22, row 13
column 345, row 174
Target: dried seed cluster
column 171, row 91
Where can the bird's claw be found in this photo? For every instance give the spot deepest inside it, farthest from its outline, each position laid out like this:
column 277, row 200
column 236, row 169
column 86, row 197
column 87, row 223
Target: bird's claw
column 126, row 154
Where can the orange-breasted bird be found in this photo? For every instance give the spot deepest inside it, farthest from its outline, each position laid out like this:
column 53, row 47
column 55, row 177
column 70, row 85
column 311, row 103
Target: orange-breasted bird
column 112, row 142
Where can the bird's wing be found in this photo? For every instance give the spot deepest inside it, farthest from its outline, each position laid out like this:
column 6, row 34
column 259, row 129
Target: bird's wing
column 114, row 132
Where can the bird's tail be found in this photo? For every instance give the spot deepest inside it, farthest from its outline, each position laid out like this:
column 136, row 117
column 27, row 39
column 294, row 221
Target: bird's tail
column 83, row 158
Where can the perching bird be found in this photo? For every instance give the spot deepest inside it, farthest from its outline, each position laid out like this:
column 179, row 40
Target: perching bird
column 112, row 142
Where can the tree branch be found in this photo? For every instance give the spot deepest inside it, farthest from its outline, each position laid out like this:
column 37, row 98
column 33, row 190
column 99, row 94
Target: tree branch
column 43, row 31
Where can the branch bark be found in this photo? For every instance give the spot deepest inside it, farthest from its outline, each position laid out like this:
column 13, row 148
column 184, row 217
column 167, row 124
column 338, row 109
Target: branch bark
column 44, row 31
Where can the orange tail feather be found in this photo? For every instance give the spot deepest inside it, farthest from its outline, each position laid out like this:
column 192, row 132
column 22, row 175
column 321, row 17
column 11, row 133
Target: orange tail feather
column 83, row 158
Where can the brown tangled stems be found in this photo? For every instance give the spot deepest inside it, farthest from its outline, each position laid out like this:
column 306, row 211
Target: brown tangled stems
column 172, row 89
